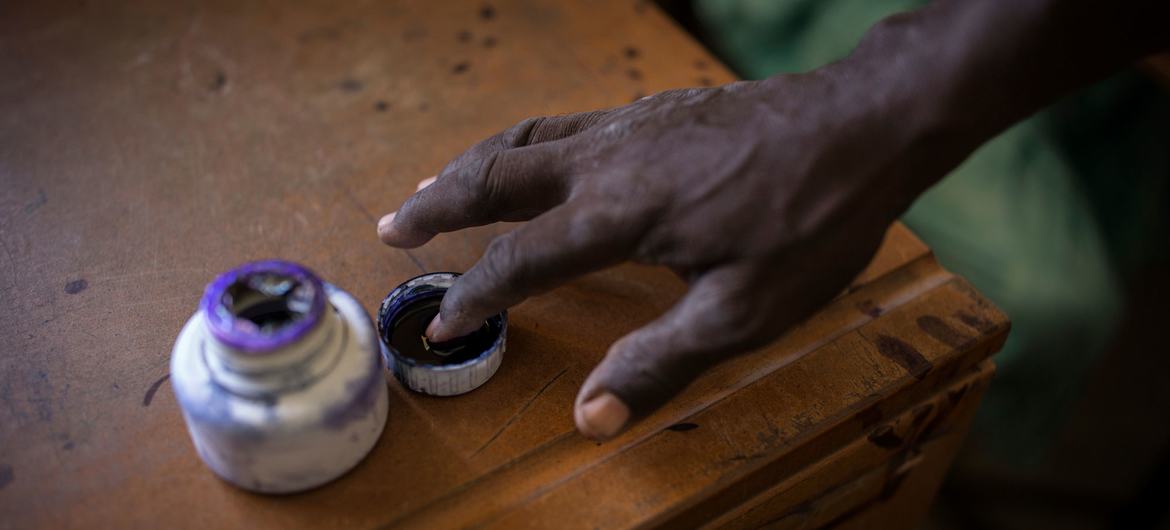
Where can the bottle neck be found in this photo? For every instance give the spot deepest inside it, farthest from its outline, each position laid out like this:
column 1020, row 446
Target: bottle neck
column 290, row 367
column 270, row 328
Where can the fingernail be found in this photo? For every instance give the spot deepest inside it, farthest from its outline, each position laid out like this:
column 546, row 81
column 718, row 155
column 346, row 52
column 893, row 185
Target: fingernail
column 384, row 225
column 426, row 182
column 439, row 331
column 433, row 329
column 603, row 417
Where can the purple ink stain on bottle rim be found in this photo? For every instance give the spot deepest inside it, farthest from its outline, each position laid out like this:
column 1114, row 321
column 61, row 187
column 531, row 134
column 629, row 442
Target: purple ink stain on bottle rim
column 262, row 306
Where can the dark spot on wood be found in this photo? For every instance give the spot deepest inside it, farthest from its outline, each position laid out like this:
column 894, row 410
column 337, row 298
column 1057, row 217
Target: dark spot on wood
column 76, row 286
column 705, row 81
column 631, row 52
column 683, row 427
column 884, row 437
column 460, row 67
column 351, row 85
column 218, row 82
column 940, row 331
column 381, row 106
column 489, row 42
column 463, row 36
column 6, row 475
column 869, row 308
column 634, row 74
column 423, row 107
column 149, row 397
column 637, row 96
column 37, row 202
column 640, row 6
column 700, row 64
column 68, row 445
column 487, row 12
column 981, row 324
column 904, row 354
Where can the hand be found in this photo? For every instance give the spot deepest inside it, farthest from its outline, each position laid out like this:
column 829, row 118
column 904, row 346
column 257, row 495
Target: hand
column 769, row 197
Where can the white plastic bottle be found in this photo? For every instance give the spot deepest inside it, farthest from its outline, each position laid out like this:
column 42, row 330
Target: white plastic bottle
column 280, row 378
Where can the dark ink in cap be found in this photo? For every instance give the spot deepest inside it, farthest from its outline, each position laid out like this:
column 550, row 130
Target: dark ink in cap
column 408, row 336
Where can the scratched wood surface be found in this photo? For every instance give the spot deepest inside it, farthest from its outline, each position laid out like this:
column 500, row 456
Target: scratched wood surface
column 146, row 146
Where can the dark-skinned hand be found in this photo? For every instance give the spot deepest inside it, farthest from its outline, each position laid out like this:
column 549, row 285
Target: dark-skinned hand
column 768, row 197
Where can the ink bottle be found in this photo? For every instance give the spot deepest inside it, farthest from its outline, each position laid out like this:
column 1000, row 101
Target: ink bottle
column 448, row 368
column 280, row 378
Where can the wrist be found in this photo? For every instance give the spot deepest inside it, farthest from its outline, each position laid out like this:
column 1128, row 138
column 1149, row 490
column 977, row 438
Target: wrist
column 936, row 83
column 925, row 88
column 957, row 73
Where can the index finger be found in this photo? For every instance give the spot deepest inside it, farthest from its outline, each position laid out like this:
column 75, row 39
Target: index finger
column 570, row 240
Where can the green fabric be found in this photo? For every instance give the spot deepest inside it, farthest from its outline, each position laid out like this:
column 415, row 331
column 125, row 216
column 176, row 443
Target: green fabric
column 759, row 38
column 1045, row 220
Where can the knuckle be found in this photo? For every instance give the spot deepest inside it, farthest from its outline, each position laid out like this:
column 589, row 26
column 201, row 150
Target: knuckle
column 589, row 119
column 738, row 86
column 736, row 321
column 472, row 186
column 453, row 306
column 487, row 182
column 600, row 218
column 615, row 221
column 649, row 376
column 522, row 133
column 681, row 94
column 518, row 135
column 501, row 264
column 625, row 205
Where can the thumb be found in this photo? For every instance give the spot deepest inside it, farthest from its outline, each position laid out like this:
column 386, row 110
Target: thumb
column 716, row 320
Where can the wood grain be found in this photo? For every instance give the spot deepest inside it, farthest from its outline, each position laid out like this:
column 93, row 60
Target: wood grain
column 146, row 146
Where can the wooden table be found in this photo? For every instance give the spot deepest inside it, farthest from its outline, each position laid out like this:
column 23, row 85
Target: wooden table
column 146, row 146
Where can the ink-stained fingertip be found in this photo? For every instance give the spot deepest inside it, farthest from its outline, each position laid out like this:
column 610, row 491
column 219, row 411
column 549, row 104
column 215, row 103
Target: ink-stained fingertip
column 433, row 334
column 441, row 331
column 602, row 417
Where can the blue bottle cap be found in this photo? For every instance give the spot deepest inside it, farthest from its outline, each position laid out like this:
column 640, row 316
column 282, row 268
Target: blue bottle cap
column 449, row 368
